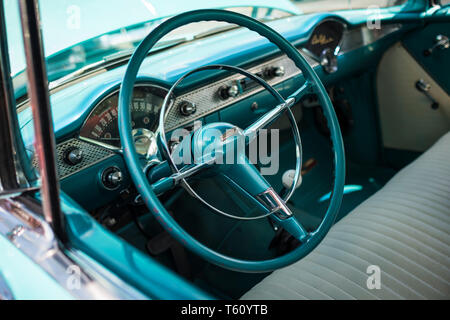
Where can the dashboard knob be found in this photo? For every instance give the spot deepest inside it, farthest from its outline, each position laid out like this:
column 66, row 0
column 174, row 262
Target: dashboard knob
column 328, row 61
column 115, row 177
column 73, row 156
column 226, row 92
column 187, row 108
column 278, row 71
column 111, row 178
column 274, row 72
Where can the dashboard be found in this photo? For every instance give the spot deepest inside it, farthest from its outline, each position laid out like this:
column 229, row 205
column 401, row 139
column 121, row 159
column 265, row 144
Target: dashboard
column 328, row 36
column 93, row 147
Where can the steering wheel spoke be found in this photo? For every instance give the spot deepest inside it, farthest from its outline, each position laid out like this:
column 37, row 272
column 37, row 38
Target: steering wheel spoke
column 306, row 88
column 165, row 184
column 251, row 131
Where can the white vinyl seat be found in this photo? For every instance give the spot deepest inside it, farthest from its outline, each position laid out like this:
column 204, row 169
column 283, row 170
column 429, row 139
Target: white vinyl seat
column 404, row 229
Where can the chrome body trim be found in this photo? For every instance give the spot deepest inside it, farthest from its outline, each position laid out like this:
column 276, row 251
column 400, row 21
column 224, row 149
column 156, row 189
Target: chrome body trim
column 5, row 291
column 32, row 235
column 42, row 115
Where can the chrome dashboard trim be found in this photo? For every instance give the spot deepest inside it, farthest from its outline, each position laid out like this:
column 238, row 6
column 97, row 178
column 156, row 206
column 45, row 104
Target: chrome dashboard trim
column 101, row 144
column 207, row 100
column 93, row 152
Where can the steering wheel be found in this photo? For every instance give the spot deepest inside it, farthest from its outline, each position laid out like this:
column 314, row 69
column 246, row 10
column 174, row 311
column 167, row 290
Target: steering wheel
column 243, row 174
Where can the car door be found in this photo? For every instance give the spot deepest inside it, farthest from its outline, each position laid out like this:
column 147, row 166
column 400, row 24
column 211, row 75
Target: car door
column 413, row 85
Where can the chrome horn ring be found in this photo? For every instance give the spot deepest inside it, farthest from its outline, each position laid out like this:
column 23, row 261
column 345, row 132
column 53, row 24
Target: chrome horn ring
column 166, row 152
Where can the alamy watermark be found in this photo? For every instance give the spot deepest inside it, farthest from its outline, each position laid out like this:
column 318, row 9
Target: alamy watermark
column 373, row 17
column 229, row 147
column 73, row 281
column 374, row 278
column 73, row 21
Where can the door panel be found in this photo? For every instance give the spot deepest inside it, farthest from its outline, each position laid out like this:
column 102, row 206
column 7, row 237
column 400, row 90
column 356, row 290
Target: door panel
column 407, row 120
column 437, row 63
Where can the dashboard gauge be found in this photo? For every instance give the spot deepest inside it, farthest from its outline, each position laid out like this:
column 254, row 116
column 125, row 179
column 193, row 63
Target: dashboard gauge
column 102, row 124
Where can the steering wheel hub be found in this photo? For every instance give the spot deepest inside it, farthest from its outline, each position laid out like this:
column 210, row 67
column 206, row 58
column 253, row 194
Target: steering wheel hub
column 214, row 140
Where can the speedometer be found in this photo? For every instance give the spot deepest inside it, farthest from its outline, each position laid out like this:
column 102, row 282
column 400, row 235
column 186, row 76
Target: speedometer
column 102, row 125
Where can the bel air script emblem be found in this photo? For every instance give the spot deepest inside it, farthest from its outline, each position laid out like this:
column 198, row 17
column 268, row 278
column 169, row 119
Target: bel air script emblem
column 321, row 39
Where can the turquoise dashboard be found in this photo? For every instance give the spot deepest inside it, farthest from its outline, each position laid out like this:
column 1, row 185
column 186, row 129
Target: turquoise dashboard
column 84, row 110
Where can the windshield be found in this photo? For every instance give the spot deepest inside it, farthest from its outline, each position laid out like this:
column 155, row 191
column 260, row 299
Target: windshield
column 79, row 33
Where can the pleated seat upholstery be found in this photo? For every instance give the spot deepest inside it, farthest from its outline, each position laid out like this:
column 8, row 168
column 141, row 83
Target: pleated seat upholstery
column 404, row 229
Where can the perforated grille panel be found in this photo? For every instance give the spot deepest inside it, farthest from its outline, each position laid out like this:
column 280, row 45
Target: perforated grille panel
column 91, row 155
column 207, row 100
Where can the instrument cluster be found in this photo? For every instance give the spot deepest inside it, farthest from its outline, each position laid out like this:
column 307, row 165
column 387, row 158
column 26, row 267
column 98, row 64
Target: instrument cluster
column 102, row 127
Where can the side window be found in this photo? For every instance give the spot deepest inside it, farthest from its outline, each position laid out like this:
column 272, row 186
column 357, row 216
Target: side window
column 16, row 56
column 15, row 47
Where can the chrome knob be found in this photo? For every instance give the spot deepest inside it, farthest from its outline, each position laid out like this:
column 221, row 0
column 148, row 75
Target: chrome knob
column 288, row 179
column 187, row 108
column 115, row 177
column 328, row 61
column 226, row 92
column 233, row 90
column 274, row 72
column 442, row 42
column 73, row 156
column 112, row 178
column 278, row 71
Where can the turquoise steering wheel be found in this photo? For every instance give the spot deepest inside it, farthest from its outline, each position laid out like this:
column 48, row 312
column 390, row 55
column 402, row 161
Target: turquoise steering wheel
column 247, row 173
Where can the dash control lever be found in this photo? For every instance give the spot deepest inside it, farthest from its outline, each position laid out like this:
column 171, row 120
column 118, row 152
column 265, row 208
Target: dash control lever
column 442, row 42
